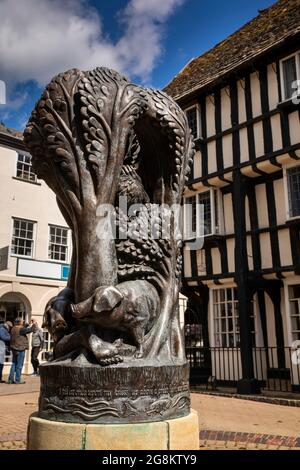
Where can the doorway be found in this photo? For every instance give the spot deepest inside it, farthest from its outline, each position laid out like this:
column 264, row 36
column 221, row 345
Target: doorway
column 196, row 344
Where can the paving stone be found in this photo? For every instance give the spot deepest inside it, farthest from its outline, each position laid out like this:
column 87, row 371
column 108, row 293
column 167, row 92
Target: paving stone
column 225, row 423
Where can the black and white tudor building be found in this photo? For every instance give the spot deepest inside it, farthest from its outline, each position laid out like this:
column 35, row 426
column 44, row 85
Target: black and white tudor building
column 243, row 284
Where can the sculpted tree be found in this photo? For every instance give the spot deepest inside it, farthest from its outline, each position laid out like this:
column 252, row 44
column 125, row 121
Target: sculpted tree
column 94, row 137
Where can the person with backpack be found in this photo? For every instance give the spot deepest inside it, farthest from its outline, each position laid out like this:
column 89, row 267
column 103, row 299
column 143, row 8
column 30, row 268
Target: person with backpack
column 19, row 344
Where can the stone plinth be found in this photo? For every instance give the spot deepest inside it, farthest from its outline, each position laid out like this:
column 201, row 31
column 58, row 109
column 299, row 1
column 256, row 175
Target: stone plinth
column 173, row 434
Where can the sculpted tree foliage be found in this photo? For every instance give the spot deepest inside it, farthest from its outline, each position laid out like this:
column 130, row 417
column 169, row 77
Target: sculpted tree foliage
column 81, row 159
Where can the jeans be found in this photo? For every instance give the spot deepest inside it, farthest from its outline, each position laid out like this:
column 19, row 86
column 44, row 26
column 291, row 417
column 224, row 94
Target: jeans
column 34, row 358
column 16, row 366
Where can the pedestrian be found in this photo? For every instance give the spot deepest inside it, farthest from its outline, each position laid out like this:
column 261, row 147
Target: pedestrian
column 4, row 340
column 37, row 343
column 18, row 344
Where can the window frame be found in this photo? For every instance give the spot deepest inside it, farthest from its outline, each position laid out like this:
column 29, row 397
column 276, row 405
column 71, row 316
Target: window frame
column 48, row 344
column 219, row 333
column 30, row 172
column 286, row 191
column 187, row 223
column 215, row 213
column 196, row 105
column 236, row 331
column 14, row 255
column 287, row 287
column 282, row 90
column 66, row 261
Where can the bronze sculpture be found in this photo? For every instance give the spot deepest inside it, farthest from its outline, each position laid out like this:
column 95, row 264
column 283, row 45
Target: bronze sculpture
column 95, row 138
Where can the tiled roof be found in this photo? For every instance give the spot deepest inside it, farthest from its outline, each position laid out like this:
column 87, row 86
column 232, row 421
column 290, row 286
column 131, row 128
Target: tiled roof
column 11, row 138
column 270, row 28
column 11, row 132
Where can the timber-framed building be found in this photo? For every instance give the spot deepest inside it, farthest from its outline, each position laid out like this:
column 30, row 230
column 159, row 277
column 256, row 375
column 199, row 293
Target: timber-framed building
column 243, row 284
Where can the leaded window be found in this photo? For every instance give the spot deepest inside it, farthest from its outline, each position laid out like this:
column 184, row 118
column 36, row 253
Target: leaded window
column 293, row 182
column 203, row 214
column 294, row 299
column 290, row 74
column 226, row 318
column 193, row 120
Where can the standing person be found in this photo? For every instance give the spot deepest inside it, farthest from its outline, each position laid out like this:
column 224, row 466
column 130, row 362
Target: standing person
column 37, row 343
column 18, row 344
column 4, row 338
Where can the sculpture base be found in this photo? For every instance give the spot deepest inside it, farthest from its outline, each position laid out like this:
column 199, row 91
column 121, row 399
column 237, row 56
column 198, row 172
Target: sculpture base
column 174, row 434
column 136, row 392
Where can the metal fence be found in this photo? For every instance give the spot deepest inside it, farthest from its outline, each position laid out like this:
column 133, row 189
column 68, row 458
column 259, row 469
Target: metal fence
column 277, row 369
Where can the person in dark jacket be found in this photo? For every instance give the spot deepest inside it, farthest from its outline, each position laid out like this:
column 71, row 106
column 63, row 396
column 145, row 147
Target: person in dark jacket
column 18, row 344
column 4, row 339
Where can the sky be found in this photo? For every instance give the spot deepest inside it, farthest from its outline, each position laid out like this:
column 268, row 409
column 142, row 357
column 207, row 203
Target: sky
column 149, row 41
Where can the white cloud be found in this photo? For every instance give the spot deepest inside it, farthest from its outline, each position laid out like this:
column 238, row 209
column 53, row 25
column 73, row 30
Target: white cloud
column 40, row 38
column 141, row 44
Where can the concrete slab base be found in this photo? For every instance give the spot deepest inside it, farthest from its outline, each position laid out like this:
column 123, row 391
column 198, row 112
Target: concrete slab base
column 173, row 434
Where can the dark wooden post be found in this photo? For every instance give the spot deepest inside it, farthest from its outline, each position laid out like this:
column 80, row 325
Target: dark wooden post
column 248, row 384
column 275, row 295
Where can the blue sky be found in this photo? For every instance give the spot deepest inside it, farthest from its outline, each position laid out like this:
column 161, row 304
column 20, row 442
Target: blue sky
column 149, row 40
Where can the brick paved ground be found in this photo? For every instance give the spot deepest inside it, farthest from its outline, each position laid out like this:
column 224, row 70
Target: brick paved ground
column 32, row 385
column 14, row 412
column 225, row 423
column 244, row 424
column 231, row 414
column 17, row 402
column 275, row 398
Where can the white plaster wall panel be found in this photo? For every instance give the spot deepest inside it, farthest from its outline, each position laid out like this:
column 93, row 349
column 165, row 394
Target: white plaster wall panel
column 294, row 124
column 255, row 94
column 276, row 132
column 262, row 207
column 201, row 264
column 216, row 261
column 197, row 165
column 258, row 139
column 272, row 86
column 227, row 150
column 244, row 146
column 280, row 201
column 241, row 101
column 228, row 214
column 211, row 157
column 210, row 116
column 230, row 243
column 187, row 262
column 225, row 109
column 285, row 247
column 265, row 249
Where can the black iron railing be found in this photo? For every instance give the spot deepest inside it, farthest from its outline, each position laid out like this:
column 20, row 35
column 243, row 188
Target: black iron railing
column 276, row 368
